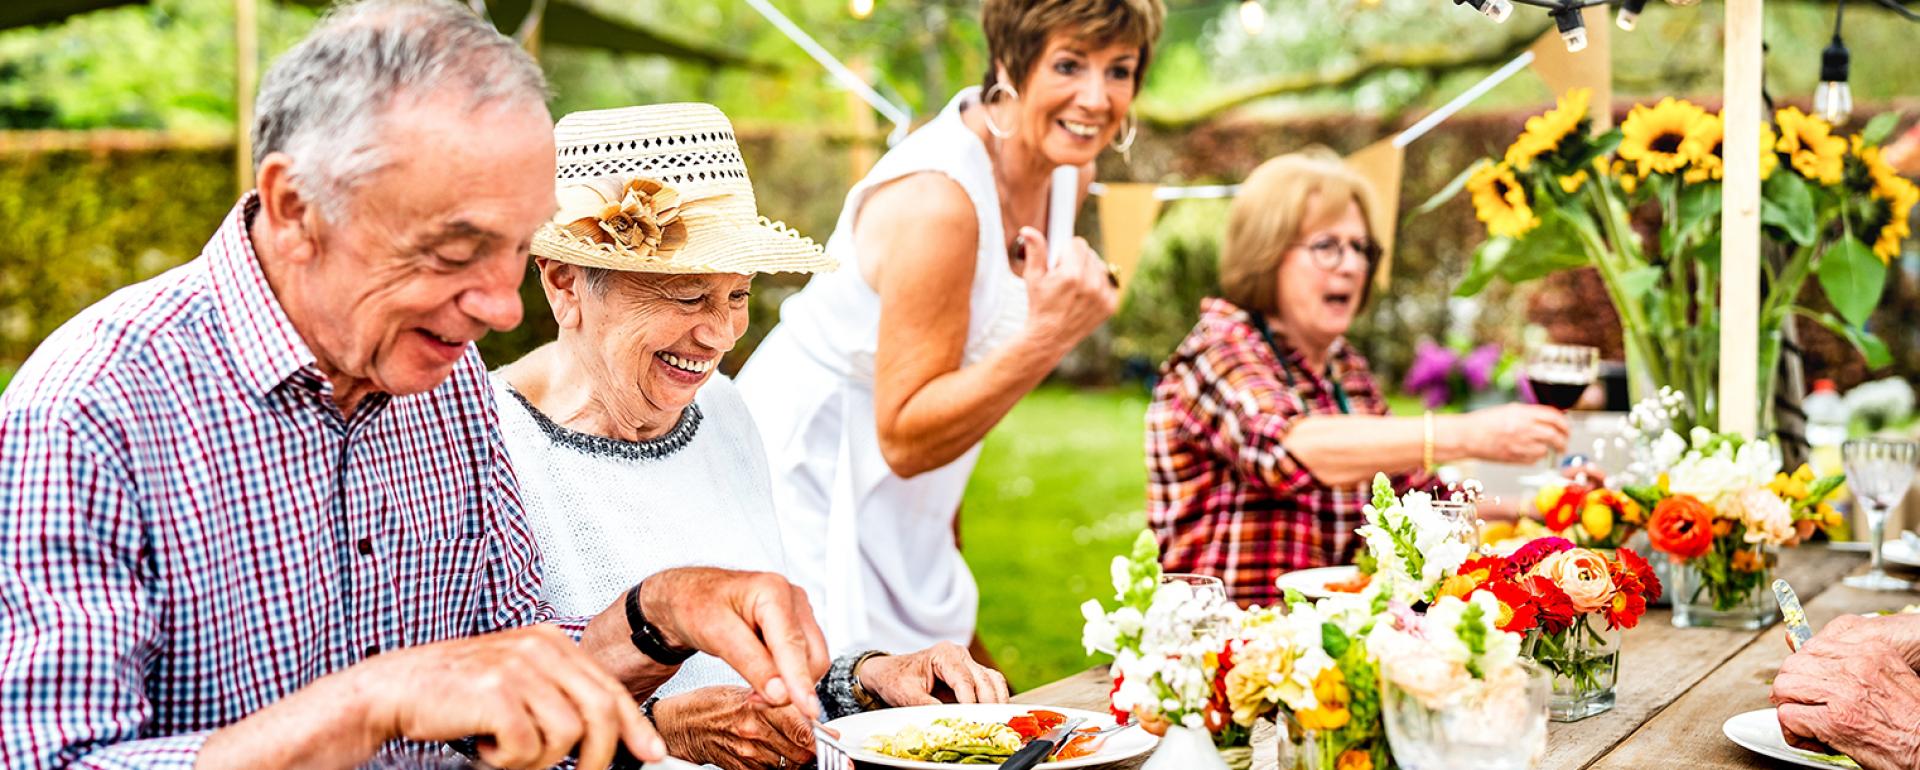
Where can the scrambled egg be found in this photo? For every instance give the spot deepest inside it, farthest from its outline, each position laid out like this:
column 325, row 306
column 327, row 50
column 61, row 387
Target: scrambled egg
column 950, row 740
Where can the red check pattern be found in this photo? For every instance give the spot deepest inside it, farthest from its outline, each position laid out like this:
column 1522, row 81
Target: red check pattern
column 1223, row 496
column 190, row 529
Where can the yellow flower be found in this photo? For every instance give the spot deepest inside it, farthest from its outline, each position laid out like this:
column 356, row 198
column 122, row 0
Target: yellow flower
column 1829, row 518
column 1792, row 487
column 1546, row 131
column 1572, row 184
column 1500, row 201
column 1354, row 759
column 1810, row 146
column 1899, row 195
column 1702, row 148
column 1651, row 137
column 1330, row 690
column 1597, row 519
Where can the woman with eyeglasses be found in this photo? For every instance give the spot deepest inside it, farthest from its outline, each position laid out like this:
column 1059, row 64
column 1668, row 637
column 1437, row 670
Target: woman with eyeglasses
column 1266, row 426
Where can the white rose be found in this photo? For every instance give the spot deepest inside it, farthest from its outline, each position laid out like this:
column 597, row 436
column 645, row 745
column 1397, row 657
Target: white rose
column 1706, row 478
column 1667, row 450
column 1758, row 462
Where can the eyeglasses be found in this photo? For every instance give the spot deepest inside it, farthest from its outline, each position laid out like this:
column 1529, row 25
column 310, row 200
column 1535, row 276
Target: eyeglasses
column 1328, row 251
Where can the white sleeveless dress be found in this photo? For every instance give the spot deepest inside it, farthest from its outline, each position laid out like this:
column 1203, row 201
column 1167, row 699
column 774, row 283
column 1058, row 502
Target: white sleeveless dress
column 874, row 551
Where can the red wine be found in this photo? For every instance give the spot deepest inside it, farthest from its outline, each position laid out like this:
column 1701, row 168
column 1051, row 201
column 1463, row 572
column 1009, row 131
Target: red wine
column 1559, row 395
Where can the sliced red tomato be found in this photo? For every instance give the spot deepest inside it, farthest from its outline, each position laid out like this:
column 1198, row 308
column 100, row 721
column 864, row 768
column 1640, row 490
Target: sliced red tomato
column 1080, row 746
column 1028, row 727
column 1048, row 719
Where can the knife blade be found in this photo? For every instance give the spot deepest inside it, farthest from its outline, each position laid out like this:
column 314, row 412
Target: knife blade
column 1795, row 616
column 1042, row 747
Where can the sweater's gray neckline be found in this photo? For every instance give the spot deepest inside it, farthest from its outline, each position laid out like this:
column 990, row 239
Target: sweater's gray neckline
column 646, row 449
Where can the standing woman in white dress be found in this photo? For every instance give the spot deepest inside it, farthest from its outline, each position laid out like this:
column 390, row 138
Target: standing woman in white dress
column 873, row 393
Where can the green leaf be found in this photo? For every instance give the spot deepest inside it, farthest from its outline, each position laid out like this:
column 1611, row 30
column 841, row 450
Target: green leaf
column 1601, row 146
column 1447, row 193
column 1699, row 206
column 1878, row 130
column 1787, row 204
column 1647, row 496
column 1637, row 282
column 1868, row 345
column 1853, row 278
column 1334, row 640
column 1485, row 266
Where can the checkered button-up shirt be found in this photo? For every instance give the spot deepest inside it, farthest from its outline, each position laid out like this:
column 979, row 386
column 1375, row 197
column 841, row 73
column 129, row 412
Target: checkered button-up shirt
column 190, row 529
column 1224, row 496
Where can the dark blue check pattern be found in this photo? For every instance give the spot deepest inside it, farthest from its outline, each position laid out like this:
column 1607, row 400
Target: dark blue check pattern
column 190, row 529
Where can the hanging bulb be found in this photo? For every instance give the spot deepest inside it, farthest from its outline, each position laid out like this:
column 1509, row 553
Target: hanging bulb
column 1253, row 17
column 1833, row 99
column 1573, row 28
column 1497, row 10
column 1630, row 13
column 860, row 9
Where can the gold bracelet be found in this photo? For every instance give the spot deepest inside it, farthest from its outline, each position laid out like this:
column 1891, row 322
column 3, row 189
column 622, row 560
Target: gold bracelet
column 1426, row 449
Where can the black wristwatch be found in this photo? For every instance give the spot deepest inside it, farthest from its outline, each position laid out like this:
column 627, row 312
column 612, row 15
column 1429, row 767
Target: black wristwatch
column 646, row 636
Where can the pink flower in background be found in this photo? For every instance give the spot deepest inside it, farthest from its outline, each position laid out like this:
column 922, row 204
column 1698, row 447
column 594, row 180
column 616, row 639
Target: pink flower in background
column 1478, row 367
column 1429, row 374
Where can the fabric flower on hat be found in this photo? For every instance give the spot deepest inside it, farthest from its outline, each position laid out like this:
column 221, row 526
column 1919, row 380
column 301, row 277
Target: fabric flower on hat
column 642, row 215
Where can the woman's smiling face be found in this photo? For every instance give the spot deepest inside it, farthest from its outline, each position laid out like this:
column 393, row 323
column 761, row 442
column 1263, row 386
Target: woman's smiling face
column 650, row 341
column 1076, row 97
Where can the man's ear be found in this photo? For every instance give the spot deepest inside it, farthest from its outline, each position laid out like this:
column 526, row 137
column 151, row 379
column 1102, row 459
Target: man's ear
column 287, row 216
column 562, row 284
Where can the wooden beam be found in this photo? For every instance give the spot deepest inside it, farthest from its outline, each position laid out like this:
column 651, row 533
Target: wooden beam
column 1738, row 393
column 246, row 45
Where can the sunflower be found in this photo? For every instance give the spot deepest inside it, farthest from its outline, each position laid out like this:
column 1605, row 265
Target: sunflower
column 1500, row 201
column 1572, row 183
column 1810, row 146
column 1702, row 148
column 1651, row 136
column 1546, row 131
column 1622, row 174
column 1899, row 194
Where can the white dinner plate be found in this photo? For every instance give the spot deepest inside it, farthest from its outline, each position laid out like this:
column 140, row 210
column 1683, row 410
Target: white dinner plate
column 854, row 731
column 1312, row 583
column 1759, row 732
column 1898, row 551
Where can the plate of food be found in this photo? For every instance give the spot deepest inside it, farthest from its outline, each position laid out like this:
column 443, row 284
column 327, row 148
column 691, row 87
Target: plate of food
column 1759, row 732
column 1322, row 582
column 937, row 737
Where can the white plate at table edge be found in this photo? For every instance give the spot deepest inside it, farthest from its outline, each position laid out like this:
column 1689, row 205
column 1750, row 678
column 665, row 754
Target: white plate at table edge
column 1759, row 732
column 854, row 730
column 1312, row 583
column 1897, row 551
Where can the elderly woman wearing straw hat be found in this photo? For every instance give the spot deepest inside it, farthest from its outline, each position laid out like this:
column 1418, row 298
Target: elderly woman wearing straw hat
column 875, row 390
column 633, row 454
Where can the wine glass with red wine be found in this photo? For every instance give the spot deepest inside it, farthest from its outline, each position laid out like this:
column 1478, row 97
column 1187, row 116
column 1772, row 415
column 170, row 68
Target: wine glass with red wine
column 1558, row 376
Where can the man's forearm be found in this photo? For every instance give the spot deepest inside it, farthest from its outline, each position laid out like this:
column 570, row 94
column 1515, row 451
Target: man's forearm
column 322, row 725
column 608, row 639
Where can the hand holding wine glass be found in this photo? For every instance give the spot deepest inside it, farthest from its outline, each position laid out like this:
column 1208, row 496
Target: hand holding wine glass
column 1558, row 375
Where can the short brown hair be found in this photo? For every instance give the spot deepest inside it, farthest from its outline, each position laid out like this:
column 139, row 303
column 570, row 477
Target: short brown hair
column 1281, row 198
column 1017, row 31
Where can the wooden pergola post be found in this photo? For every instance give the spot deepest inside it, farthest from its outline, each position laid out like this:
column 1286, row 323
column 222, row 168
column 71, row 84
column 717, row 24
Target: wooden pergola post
column 1740, row 223
column 246, row 44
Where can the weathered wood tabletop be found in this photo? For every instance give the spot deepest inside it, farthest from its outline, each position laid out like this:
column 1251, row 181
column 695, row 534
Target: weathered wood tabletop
column 1677, row 686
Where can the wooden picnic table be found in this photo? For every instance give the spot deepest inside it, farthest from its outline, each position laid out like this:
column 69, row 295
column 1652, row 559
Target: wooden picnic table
column 1677, row 685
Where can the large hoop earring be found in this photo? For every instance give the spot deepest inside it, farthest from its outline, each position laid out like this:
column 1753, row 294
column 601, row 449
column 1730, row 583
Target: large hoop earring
column 1126, row 145
column 986, row 102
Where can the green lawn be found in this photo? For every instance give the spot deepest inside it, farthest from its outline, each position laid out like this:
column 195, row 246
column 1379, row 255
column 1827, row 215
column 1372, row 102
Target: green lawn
column 1060, row 489
column 6, row 375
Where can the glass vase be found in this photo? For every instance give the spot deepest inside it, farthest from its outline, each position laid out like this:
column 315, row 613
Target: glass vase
column 1584, row 662
column 1496, row 733
column 1733, row 590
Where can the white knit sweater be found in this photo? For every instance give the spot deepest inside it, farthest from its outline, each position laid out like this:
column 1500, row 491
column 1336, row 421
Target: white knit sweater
column 607, row 513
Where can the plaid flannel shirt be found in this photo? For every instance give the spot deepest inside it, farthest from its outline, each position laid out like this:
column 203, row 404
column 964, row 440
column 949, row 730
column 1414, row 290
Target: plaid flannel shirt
column 1224, row 496
column 190, row 529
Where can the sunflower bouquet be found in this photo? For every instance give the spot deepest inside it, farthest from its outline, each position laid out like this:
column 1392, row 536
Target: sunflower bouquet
column 1641, row 204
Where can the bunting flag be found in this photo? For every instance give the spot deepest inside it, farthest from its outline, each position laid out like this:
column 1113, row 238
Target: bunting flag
column 1380, row 164
column 1127, row 211
column 1565, row 70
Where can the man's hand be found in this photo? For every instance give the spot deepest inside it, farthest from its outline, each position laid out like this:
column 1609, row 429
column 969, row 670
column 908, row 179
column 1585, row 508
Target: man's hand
column 757, row 622
column 912, row 680
column 1852, row 690
column 725, row 726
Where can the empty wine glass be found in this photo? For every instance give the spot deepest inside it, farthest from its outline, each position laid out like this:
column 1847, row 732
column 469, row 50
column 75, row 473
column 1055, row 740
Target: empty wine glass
column 1463, row 520
column 1504, row 731
column 1879, row 472
column 1201, row 584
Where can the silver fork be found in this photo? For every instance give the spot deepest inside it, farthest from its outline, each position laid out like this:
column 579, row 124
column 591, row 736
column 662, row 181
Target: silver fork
column 1094, row 737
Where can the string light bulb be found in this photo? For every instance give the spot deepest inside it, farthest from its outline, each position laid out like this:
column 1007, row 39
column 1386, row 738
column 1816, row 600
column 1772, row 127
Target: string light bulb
column 1253, row 17
column 860, row 9
column 1833, row 98
column 1497, row 10
column 1630, row 13
column 1573, row 28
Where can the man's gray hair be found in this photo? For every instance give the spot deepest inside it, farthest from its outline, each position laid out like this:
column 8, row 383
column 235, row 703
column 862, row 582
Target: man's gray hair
column 322, row 103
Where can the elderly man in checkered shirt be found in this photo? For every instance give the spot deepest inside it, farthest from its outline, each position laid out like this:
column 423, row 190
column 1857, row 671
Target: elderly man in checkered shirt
column 256, row 512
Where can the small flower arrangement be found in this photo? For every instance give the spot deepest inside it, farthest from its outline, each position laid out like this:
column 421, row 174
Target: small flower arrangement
column 1410, row 545
column 1454, row 654
column 1166, row 641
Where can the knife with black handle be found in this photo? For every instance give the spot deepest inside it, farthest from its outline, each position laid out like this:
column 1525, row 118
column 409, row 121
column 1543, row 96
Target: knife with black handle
column 1037, row 750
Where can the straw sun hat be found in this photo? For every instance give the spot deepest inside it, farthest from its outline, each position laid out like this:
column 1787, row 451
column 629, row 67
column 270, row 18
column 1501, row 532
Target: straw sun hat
column 662, row 189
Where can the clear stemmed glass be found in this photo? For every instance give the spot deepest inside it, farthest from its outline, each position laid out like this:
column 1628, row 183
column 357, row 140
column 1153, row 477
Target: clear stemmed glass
column 1201, row 584
column 1499, row 733
column 1558, row 375
column 1879, row 472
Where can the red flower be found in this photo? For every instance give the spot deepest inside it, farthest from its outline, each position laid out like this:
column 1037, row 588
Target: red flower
column 1119, row 716
column 1555, row 608
column 1631, row 562
column 1532, row 553
column 1681, row 527
column 1523, row 611
column 1628, row 603
column 1486, row 569
column 1564, row 510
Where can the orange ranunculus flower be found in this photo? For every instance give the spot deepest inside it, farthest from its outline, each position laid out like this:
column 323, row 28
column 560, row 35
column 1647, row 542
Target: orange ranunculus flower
column 1354, row 759
column 1583, row 574
column 1681, row 527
